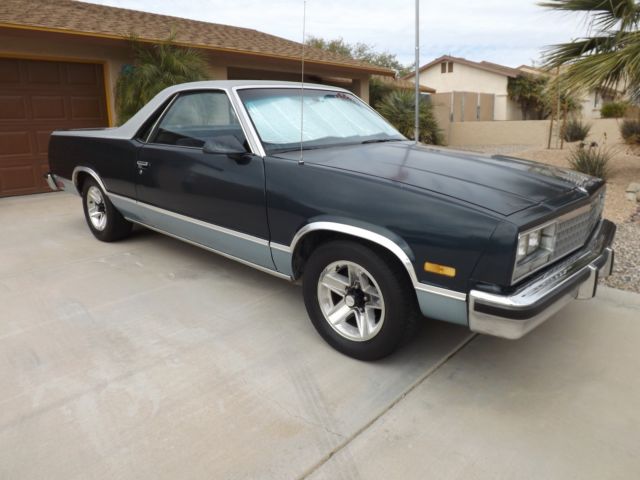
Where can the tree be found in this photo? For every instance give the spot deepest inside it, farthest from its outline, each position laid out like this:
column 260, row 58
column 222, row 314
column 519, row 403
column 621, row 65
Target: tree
column 399, row 106
column 609, row 56
column 538, row 96
column 359, row 51
column 155, row 67
column 528, row 91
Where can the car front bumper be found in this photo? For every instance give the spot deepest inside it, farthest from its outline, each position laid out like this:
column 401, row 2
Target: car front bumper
column 514, row 315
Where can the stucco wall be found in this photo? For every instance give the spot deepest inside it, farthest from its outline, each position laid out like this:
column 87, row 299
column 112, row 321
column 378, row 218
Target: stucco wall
column 464, row 79
column 529, row 132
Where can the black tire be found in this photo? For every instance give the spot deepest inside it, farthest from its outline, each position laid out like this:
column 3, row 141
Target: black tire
column 400, row 305
column 116, row 227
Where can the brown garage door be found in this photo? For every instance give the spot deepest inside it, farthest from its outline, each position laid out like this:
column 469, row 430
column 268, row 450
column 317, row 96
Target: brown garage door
column 37, row 97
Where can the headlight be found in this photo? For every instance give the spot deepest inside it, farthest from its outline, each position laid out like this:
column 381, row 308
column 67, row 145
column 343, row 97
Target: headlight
column 535, row 247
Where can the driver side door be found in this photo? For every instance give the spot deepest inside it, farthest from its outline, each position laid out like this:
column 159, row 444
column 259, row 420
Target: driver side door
column 213, row 199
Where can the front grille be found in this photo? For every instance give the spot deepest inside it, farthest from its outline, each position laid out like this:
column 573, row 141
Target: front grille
column 573, row 232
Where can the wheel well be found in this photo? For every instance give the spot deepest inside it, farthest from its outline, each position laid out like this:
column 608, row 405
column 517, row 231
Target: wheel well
column 313, row 240
column 81, row 177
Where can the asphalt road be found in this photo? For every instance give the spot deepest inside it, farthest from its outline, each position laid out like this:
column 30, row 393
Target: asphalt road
column 151, row 358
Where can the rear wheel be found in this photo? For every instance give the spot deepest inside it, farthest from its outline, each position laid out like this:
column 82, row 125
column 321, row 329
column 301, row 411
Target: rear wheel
column 105, row 222
column 359, row 300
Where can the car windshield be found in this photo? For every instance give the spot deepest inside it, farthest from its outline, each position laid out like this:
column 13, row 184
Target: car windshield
column 330, row 119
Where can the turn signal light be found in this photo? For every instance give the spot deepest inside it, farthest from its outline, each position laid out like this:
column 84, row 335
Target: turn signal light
column 439, row 269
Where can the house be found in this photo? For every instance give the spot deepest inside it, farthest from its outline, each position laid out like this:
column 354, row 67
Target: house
column 478, row 90
column 60, row 60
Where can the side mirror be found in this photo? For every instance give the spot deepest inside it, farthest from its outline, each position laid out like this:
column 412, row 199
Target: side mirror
column 224, row 145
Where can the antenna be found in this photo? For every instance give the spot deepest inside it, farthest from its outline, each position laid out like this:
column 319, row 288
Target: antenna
column 416, row 124
column 304, row 21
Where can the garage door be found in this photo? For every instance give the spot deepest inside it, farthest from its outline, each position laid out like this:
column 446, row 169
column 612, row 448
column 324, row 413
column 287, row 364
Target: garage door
column 37, row 97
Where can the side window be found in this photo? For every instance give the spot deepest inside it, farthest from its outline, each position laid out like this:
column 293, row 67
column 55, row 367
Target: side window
column 194, row 118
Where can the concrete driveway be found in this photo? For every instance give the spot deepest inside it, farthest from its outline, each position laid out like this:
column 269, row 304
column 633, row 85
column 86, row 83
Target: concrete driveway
column 150, row 358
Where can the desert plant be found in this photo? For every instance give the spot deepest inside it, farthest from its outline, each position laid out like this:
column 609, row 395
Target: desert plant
column 575, row 130
column 399, row 108
column 155, row 67
column 630, row 131
column 378, row 89
column 592, row 160
column 614, row 110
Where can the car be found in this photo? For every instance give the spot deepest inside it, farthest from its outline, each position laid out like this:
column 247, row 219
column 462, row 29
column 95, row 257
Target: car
column 308, row 183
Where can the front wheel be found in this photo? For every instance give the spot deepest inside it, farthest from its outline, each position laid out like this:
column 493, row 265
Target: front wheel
column 358, row 299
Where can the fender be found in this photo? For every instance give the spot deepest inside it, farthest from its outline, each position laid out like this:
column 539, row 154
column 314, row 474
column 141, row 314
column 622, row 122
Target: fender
column 78, row 170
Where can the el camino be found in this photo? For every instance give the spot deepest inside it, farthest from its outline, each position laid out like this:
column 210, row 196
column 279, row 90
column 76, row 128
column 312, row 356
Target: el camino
column 378, row 229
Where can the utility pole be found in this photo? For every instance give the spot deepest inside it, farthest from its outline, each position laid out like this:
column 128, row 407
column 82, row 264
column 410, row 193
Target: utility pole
column 417, row 74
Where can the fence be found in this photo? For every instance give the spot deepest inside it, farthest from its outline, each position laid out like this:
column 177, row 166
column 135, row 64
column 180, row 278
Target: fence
column 521, row 132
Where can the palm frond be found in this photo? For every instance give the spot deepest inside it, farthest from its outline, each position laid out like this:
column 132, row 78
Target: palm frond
column 155, row 68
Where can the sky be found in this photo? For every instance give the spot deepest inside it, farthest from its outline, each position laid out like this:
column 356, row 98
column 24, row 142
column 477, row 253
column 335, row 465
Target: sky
column 509, row 32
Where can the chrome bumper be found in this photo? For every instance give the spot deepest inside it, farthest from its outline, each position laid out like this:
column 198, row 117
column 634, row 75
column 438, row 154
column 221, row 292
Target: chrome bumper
column 58, row 183
column 51, row 181
column 514, row 315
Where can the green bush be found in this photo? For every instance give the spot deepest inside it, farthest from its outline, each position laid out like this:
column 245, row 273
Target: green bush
column 575, row 130
column 593, row 161
column 398, row 107
column 614, row 110
column 630, row 131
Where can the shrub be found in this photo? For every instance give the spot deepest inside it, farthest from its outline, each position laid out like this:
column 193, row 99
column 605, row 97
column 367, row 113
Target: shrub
column 398, row 108
column 630, row 131
column 575, row 130
column 614, row 110
column 593, row 160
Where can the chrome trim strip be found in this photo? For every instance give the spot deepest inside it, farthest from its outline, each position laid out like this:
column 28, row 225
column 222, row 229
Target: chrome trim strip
column 245, row 121
column 441, row 291
column 382, row 241
column 213, row 250
column 195, row 221
column 90, row 171
column 278, row 246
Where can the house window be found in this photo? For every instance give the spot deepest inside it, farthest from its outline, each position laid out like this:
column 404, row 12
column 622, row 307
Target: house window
column 596, row 99
column 446, row 67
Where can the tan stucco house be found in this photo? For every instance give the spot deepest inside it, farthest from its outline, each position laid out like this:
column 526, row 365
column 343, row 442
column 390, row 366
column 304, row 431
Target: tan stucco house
column 455, row 75
column 60, row 60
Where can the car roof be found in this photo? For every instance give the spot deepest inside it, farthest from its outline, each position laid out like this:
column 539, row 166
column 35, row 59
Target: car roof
column 129, row 129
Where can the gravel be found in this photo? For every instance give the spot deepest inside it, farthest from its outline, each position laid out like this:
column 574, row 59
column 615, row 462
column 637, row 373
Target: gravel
column 626, row 269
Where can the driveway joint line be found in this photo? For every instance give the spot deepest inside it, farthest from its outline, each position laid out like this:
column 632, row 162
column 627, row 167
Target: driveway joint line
column 367, row 425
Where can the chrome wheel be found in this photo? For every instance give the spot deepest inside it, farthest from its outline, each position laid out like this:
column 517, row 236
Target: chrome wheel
column 351, row 301
column 96, row 208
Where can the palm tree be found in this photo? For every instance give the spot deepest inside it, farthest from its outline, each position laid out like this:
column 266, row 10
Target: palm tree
column 398, row 108
column 610, row 55
column 155, row 68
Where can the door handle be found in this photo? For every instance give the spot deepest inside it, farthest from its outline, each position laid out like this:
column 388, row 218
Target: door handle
column 142, row 165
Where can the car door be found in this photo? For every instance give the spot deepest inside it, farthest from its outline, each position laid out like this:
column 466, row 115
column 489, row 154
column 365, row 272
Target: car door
column 213, row 199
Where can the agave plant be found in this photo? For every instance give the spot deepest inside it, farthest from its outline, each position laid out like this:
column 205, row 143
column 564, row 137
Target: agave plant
column 155, row 67
column 610, row 55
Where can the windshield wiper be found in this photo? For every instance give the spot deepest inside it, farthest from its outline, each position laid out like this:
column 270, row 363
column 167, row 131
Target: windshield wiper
column 382, row 140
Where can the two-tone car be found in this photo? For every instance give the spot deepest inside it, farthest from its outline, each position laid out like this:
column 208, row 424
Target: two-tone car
column 308, row 183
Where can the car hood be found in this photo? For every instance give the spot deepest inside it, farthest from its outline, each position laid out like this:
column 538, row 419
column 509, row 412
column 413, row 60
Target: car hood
column 501, row 184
